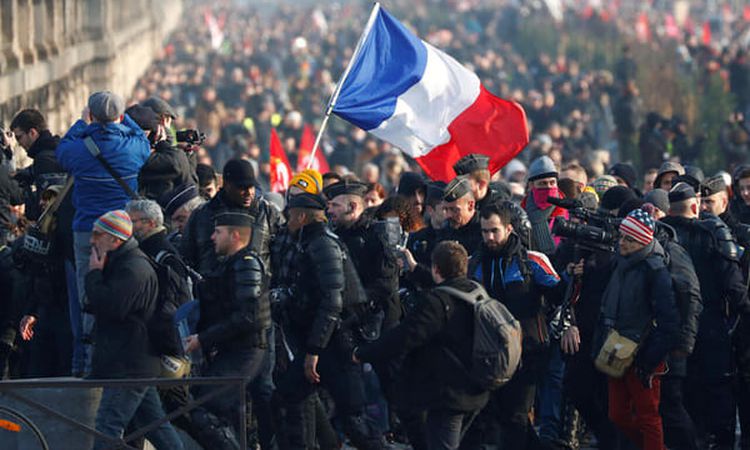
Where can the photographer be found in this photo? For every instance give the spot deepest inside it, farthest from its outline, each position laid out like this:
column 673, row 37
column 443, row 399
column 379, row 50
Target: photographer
column 639, row 293
column 168, row 166
column 588, row 267
column 30, row 130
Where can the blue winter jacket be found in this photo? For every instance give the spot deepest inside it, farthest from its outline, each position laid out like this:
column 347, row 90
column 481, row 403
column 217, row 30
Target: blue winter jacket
column 95, row 192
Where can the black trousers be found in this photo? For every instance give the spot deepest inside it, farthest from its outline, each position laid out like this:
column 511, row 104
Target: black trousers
column 343, row 381
column 713, row 406
column 679, row 430
column 246, row 363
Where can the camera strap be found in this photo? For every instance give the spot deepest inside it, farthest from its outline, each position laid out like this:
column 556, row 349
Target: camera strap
column 96, row 153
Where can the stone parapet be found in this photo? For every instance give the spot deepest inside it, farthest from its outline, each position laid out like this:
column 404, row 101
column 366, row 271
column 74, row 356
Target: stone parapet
column 53, row 54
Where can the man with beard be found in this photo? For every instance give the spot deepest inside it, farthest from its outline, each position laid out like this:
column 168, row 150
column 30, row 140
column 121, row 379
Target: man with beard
column 521, row 280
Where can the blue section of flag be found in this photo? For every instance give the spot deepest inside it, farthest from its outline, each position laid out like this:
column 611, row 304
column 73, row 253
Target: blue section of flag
column 391, row 61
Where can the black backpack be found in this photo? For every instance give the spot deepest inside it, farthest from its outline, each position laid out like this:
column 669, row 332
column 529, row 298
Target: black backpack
column 174, row 291
column 496, row 346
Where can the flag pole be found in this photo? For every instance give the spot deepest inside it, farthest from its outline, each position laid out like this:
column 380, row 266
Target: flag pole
column 340, row 84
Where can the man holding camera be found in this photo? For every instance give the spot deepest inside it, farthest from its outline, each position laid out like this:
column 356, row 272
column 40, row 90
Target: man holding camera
column 167, row 167
column 122, row 144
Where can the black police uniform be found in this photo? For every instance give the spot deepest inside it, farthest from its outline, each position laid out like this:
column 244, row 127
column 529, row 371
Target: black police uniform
column 197, row 247
column 711, row 366
column 316, row 324
column 233, row 329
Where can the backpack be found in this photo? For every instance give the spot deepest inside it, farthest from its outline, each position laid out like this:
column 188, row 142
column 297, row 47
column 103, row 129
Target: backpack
column 496, row 345
column 174, row 291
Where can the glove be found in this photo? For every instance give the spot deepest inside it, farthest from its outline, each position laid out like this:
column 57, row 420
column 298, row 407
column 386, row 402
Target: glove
column 645, row 376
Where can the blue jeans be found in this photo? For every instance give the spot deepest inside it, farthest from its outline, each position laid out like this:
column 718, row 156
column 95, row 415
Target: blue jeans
column 74, row 311
column 549, row 395
column 82, row 252
column 141, row 406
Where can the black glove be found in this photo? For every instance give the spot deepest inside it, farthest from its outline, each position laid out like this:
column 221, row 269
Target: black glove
column 646, row 377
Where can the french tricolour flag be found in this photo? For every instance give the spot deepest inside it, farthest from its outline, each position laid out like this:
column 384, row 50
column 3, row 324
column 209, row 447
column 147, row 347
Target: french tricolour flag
column 406, row 92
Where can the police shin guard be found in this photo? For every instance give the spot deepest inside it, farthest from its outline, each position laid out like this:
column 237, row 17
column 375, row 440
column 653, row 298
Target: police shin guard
column 362, row 433
column 211, row 433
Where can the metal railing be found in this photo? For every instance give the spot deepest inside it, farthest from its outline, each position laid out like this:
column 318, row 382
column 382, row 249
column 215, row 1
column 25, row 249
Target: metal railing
column 226, row 384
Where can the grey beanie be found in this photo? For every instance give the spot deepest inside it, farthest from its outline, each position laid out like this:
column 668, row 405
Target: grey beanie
column 658, row 198
column 542, row 167
column 106, row 106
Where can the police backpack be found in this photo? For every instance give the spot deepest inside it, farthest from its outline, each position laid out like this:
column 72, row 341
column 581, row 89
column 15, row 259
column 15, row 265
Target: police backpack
column 496, row 347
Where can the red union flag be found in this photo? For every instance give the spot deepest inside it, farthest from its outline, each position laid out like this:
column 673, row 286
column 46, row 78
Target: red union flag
column 281, row 171
column 305, row 148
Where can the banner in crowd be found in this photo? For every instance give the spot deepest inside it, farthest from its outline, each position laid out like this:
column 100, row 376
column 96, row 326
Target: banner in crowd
column 281, row 170
column 406, row 92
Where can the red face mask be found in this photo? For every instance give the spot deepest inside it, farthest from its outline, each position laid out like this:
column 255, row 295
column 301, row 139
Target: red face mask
column 541, row 194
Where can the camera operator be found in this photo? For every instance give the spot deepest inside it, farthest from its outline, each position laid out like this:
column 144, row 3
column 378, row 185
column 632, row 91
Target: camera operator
column 710, row 397
column 590, row 267
column 30, row 130
column 167, row 167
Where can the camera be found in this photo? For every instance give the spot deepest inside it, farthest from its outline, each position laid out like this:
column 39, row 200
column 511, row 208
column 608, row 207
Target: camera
column 191, row 137
column 592, row 231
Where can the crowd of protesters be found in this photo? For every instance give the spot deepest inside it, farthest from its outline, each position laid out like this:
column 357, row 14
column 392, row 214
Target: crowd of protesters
column 346, row 301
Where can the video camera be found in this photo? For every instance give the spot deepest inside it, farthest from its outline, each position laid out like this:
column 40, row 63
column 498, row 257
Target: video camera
column 191, row 137
column 593, row 230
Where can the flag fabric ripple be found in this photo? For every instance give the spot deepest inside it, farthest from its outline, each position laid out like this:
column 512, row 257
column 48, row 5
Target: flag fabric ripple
column 406, row 92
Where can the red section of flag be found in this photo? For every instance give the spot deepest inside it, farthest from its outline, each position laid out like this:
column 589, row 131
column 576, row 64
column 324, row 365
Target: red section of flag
column 706, row 33
column 491, row 126
column 746, row 13
column 281, row 171
column 305, row 147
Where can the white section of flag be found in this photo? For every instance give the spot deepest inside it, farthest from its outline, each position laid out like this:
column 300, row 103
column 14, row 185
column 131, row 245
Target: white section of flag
column 423, row 113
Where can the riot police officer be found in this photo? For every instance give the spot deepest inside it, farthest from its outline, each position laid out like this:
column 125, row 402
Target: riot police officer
column 319, row 310
column 462, row 220
column 235, row 318
column 376, row 266
column 710, row 399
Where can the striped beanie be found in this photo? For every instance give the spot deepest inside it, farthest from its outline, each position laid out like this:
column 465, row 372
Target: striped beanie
column 117, row 223
column 639, row 225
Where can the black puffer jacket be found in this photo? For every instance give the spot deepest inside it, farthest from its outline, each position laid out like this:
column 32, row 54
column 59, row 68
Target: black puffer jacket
column 317, row 303
column 122, row 298
column 197, row 248
column 166, row 168
column 235, row 313
column 723, row 291
column 376, row 267
column 429, row 377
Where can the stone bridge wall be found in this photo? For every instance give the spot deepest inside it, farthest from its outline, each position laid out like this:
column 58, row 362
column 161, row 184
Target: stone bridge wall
column 54, row 53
